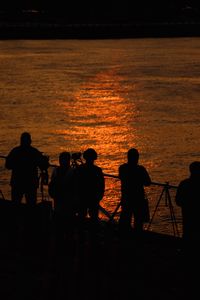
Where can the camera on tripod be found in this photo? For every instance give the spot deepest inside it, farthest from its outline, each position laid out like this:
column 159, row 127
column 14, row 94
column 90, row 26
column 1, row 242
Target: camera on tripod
column 44, row 176
column 76, row 159
column 76, row 155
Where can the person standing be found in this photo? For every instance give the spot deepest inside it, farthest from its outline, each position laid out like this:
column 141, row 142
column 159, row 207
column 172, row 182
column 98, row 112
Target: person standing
column 24, row 161
column 188, row 198
column 62, row 190
column 133, row 202
column 90, row 187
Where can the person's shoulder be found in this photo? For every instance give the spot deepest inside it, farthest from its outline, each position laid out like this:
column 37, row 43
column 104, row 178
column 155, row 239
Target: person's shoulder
column 123, row 166
column 34, row 149
column 97, row 167
column 15, row 149
column 94, row 170
column 184, row 182
column 123, row 170
column 37, row 153
column 142, row 168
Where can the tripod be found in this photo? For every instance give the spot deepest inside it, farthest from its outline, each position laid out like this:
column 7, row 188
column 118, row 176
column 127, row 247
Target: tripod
column 44, row 178
column 76, row 159
column 2, row 195
column 165, row 193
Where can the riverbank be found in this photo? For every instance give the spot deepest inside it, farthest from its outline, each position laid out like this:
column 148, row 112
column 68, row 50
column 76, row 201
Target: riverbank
column 46, row 30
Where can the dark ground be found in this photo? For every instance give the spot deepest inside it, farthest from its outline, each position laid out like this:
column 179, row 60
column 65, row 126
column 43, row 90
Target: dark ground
column 107, row 266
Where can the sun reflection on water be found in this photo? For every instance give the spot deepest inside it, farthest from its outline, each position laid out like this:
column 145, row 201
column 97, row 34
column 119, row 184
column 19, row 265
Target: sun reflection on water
column 99, row 116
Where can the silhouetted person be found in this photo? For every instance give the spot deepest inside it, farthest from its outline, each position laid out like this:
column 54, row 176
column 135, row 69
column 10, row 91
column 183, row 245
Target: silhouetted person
column 188, row 198
column 90, row 187
column 62, row 190
column 24, row 161
column 133, row 179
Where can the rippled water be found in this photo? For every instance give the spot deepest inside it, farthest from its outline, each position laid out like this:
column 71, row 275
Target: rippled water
column 106, row 94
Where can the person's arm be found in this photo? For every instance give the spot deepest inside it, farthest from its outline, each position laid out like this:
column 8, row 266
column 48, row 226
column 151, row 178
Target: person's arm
column 101, row 184
column 9, row 160
column 121, row 172
column 146, row 178
column 43, row 161
column 179, row 194
column 52, row 184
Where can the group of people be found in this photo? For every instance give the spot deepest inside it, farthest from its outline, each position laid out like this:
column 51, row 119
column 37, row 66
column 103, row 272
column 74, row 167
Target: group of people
column 78, row 191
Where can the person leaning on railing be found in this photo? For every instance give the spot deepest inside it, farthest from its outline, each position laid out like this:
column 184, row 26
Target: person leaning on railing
column 134, row 204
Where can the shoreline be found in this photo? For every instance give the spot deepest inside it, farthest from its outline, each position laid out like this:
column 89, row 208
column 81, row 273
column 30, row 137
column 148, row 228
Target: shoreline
column 46, row 30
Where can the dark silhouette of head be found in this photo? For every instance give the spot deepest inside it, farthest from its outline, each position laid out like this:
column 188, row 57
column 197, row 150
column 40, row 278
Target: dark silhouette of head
column 64, row 159
column 25, row 139
column 195, row 169
column 90, row 155
column 133, row 156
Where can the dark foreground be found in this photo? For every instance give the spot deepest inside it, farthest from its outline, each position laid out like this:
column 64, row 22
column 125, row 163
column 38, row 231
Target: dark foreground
column 103, row 266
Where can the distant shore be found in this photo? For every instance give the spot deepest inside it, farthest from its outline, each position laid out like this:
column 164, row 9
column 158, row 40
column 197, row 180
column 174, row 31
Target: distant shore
column 45, row 30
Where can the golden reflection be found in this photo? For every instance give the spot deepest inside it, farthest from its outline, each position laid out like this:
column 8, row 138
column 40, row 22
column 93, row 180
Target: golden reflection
column 100, row 116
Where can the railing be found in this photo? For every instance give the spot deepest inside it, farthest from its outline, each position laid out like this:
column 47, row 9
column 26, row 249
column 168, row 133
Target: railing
column 164, row 197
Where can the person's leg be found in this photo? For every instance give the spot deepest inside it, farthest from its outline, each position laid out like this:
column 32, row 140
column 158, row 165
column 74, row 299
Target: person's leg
column 94, row 220
column 31, row 196
column 138, row 221
column 81, row 218
column 138, row 224
column 31, row 218
column 16, row 194
column 94, row 212
column 125, row 217
column 18, row 216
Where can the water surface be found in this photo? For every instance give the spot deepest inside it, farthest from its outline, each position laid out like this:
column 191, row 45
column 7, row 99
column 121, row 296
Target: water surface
column 106, row 94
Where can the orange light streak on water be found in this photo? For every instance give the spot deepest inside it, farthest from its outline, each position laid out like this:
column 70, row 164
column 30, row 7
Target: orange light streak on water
column 100, row 117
